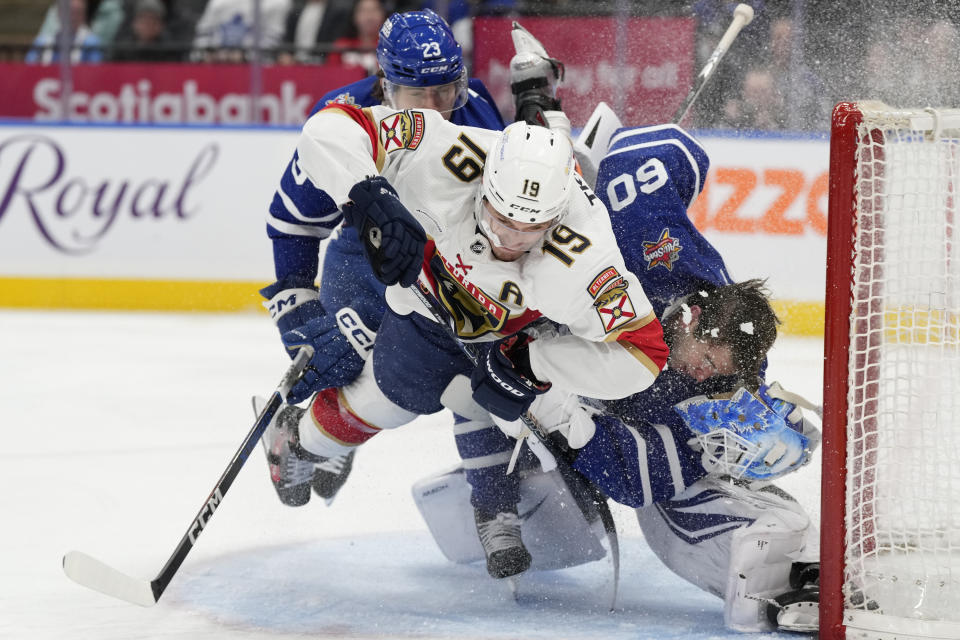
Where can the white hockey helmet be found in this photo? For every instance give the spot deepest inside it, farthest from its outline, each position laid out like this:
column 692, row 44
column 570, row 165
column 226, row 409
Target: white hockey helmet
column 528, row 174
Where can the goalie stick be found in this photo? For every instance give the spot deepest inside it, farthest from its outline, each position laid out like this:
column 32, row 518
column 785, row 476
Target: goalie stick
column 569, row 474
column 94, row 574
column 742, row 16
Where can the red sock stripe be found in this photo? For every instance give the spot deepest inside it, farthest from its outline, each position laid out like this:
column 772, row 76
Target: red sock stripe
column 334, row 419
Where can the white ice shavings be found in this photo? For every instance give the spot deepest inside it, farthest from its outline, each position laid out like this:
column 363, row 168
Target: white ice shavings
column 687, row 314
column 715, row 332
column 704, row 294
column 747, row 327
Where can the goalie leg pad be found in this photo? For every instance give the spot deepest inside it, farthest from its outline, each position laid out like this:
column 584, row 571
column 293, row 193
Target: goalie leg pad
column 736, row 543
column 556, row 535
column 485, row 452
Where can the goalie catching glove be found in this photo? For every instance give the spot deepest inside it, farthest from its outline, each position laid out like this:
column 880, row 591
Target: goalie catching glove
column 502, row 382
column 759, row 435
column 393, row 241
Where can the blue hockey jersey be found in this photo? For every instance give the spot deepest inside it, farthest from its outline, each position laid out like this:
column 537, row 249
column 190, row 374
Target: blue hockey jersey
column 648, row 179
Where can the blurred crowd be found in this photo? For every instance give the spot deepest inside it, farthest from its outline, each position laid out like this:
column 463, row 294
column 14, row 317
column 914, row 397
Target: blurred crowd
column 789, row 67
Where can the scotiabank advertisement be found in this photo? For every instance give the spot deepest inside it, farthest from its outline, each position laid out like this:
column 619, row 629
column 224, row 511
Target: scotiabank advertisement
column 189, row 203
column 169, row 93
column 642, row 67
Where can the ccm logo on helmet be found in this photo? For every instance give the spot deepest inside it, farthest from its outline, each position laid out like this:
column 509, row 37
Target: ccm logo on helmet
column 442, row 67
column 524, row 209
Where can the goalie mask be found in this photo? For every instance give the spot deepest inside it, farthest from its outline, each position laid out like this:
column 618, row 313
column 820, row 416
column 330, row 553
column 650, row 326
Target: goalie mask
column 527, row 181
column 418, row 53
column 758, row 436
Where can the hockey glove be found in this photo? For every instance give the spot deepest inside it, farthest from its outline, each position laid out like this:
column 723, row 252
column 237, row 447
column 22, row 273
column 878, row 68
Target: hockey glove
column 337, row 359
column 292, row 301
column 502, row 382
column 393, row 240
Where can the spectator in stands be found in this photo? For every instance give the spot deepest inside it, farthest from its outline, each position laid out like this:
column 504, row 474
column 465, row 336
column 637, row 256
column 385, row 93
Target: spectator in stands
column 226, row 31
column 368, row 17
column 182, row 19
column 146, row 37
column 103, row 16
column 85, row 46
column 758, row 104
column 313, row 24
column 940, row 51
column 796, row 84
column 783, row 93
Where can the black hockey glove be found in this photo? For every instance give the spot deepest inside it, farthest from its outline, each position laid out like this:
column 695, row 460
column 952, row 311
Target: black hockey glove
column 531, row 105
column 393, row 240
column 502, row 382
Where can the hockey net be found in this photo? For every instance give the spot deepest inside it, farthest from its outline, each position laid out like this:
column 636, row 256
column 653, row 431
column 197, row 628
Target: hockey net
column 891, row 478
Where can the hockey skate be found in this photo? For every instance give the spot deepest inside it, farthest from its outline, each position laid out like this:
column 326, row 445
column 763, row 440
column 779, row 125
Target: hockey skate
column 330, row 475
column 798, row 610
column 534, row 77
column 500, row 537
column 291, row 467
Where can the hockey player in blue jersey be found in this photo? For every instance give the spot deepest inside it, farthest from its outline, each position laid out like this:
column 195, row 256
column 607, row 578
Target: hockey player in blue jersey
column 421, row 67
column 636, row 450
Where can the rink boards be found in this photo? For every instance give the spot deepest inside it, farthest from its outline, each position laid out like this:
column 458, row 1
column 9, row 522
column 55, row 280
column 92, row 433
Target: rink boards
column 173, row 218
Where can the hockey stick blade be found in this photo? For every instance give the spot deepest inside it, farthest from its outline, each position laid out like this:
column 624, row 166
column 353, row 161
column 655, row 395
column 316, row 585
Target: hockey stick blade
column 89, row 572
column 93, row 574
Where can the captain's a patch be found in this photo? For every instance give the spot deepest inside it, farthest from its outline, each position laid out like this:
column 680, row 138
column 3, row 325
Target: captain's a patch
column 662, row 252
column 401, row 130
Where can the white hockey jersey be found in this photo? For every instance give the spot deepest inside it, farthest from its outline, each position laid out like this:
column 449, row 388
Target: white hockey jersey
column 577, row 278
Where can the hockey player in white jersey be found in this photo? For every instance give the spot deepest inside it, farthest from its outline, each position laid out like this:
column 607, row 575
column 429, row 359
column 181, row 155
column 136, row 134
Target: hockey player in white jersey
column 529, row 240
column 746, row 544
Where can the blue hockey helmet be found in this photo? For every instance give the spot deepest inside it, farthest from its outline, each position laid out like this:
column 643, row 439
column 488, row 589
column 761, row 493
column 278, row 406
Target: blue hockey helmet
column 417, row 49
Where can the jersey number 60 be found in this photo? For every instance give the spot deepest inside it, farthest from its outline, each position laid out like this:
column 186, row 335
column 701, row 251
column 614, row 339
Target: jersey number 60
column 621, row 191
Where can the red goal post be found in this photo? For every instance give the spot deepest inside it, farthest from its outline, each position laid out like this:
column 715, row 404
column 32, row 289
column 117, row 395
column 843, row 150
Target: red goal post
column 890, row 515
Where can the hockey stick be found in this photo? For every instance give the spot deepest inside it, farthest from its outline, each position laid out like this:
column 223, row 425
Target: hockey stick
column 94, row 574
column 742, row 16
column 569, row 474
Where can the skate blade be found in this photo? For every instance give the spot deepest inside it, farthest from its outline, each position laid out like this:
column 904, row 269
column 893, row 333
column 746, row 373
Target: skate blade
column 514, row 587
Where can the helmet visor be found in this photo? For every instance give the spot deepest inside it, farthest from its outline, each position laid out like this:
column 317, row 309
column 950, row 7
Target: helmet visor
column 442, row 97
column 509, row 234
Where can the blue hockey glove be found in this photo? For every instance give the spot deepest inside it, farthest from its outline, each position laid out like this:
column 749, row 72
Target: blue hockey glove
column 502, row 382
column 292, row 302
column 340, row 342
column 393, row 240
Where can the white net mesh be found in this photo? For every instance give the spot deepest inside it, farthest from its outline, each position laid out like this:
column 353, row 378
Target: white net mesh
column 903, row 453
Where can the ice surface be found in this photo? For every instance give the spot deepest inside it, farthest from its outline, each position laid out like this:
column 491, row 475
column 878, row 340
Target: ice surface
column 117, row 426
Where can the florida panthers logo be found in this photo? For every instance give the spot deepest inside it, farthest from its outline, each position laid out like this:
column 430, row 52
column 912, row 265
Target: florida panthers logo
column 662, row 252
column 474, row 312
column 402, row 130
